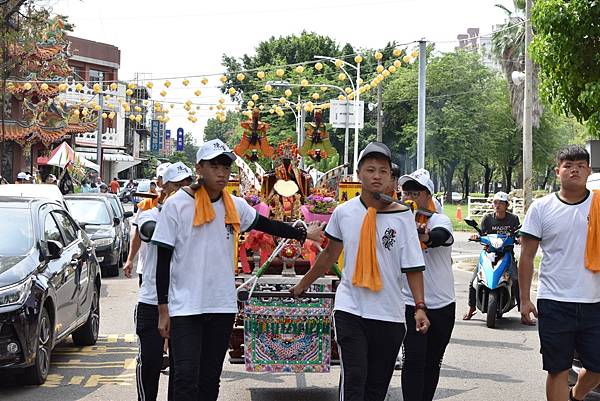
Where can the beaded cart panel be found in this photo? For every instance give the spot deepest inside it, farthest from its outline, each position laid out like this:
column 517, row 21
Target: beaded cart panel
column 286, row 335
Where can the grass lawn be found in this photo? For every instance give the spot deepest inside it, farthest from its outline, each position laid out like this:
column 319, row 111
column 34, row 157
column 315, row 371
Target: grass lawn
column 457, row 225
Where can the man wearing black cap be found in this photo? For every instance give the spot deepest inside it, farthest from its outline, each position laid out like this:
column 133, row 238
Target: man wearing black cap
column 369, row 312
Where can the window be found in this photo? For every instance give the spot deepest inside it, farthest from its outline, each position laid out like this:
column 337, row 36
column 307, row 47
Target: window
column 90, row 211
column 51, row 231
column 16, row 232
column 96, row 76
column 69, row 231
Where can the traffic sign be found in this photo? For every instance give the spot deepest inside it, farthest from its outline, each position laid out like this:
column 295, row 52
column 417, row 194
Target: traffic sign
column 339, row 108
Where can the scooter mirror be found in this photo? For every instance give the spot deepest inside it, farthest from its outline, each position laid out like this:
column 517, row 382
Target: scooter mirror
column 471, row 223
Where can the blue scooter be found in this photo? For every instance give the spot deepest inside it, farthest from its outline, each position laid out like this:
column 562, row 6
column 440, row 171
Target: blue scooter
column 496, row 289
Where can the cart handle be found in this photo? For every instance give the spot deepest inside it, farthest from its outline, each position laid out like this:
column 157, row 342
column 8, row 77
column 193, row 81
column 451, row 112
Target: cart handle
column 244, row 295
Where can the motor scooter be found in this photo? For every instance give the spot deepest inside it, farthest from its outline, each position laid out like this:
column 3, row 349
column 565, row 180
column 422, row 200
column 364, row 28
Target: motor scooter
column 496, row 289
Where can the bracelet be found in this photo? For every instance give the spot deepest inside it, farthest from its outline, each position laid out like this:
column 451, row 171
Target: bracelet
column 420, row 305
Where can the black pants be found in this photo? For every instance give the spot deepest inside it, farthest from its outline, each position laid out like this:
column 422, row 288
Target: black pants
column 368, row 350
column 423, row 353
column 150, row 354
column 198, row 345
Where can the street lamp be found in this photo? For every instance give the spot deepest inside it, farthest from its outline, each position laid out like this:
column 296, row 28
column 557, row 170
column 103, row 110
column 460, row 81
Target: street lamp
column 356, row 105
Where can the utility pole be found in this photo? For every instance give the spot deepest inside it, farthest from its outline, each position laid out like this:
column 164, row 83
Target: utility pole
column 100, row 125
column 527, row 112
column 379, row 127
column 421, row 106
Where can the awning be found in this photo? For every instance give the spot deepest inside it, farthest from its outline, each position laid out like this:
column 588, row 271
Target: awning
column 123, row 161
column 63, row 155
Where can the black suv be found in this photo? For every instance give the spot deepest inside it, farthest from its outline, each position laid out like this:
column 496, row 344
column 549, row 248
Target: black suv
column 49, row 285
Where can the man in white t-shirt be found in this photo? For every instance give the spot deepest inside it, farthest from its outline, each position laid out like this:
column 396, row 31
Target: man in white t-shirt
column 380, row 245
column 151, row 344
column 195, row 279
column 423, row 354
column 568, row 298
column 136, row 246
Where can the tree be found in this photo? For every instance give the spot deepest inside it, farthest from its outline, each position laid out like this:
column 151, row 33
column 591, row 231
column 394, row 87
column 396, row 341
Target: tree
column 229, row 131
column 508, row 45
column 566, row 46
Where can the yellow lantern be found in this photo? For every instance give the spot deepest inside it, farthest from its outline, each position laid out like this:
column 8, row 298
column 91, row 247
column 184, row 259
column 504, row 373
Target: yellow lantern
column 282, row 100
column 223, row 78
column 231, row 91
column 78, row 87
column 318, row 66
column 386, row 73
column 44, row 86
column 63, row 87
column 304, row 82
column 260, row 74
column 104, row 115
column 374, row 83
column 85, row 111
column 406, row 59
column 397, row 63
column 222, row 100
column 131, row 117
column 315, row 96
column 204, row 81
column 378, row 55
column 380, row 77
column 138, row 109
column 367, row 87
column 240, row 77
column 185, row 82
column 76, row 112
column 392, row 69
column 133, row 101
column 131, row 85
column 188, row 102
column 342, row 76
column 351, row 96
column 280, row 72
column 167, row 83
column 268, row 88
column 261, row 107
column 97, row 107
column 348, row 90
column 255, row 97
column 163, row 93
column 271, row 111
column 129, row 92
column 288, row 93
column 138, row 118
column 97, row 88
column 197, row 92
column 339, row 63
column 111, row 115
column 323, row 88
column 250, row 104
column 414, row 54
column 397, row 52
column 379, row 69
column 149, row 85
column 358, row 59
column 341, row 98
column 300, row 69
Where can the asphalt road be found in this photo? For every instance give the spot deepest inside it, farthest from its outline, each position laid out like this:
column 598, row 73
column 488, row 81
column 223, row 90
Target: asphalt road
column 480, row 364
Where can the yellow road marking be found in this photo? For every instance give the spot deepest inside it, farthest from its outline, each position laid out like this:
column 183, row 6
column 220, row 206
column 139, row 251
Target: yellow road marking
column 130, row 338
column 53, row 380
column 76, row 380
column 121, row 380
column 112, row 338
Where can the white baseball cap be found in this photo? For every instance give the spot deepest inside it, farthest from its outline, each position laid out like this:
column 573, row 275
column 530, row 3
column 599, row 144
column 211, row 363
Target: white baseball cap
column 213, row 148
column 160, row 170
column 501, row 196
column 177, row 172
column 23, row 176
column 421, row 176
column 375, row 147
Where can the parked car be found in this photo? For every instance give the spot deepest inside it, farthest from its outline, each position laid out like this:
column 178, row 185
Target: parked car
column 46, row 191
column 456, row 197
column 103, row 226
column 119, row 211
column 49, row 285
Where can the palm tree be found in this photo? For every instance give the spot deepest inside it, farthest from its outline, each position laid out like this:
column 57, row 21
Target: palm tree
column 508, row 45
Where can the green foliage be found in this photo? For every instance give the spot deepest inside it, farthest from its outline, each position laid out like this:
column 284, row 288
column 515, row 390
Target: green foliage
column 566, row 47
column 188, row 155
column 229, row 131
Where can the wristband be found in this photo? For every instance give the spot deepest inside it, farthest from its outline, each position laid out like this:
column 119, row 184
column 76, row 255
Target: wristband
column 420, row 305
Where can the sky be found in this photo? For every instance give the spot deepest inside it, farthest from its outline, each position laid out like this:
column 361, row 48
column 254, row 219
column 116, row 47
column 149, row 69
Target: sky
column 178, row 38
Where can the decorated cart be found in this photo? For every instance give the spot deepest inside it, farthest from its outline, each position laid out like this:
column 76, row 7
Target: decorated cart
column 273, row 331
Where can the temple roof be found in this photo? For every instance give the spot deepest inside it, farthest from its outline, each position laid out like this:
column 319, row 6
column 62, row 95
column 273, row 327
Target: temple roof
column 18, row 132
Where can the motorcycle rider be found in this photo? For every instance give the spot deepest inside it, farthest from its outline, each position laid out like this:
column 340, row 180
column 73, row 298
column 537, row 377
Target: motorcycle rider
column 501, row 221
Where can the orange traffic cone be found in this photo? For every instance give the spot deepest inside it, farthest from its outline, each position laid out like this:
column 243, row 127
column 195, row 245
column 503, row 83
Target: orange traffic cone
column 458, row 213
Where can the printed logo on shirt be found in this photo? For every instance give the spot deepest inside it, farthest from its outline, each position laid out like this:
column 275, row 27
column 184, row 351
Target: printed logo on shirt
column 229, row 228
column 389, row 238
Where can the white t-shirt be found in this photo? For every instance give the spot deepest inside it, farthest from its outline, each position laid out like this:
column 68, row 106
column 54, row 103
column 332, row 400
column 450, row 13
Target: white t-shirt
column 202, row 266
column 562, row 231
column 147, row 293
column 437, row 277
column 139, row 269
column 397, row 250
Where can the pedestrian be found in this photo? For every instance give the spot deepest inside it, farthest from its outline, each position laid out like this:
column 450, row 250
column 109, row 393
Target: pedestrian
column 23, row 178
column 196, row 235
column 566, row 225
column 423, row 353
column 501, row 221
column 114, row 186
column 103, row 188
column 150, row 359
column 51, row 179
column 369, row 317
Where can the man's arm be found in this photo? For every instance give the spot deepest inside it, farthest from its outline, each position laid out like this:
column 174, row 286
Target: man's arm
column 284, row 230
column 134, row 247
column 324, row 261
column 529, row 246
column 163, row 278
